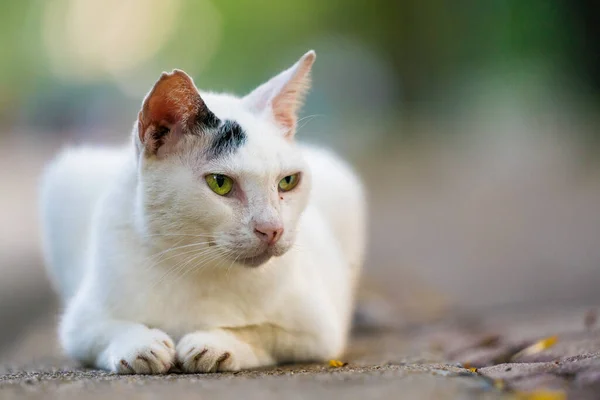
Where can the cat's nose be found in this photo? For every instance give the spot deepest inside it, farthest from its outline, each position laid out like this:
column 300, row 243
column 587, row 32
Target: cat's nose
column 269, row 233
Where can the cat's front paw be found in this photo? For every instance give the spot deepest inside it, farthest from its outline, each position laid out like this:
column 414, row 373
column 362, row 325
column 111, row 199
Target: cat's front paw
column 202, row 352
column 150, row 351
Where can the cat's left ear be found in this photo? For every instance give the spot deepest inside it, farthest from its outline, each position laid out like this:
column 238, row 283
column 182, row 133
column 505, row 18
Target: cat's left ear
column 283, row 95
column 172, row 108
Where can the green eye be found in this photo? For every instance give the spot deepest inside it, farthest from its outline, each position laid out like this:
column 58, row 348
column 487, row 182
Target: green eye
column 220, row 184
column 288, row 183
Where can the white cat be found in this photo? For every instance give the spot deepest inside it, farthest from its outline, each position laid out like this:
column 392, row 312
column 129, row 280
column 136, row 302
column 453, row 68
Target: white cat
column 213, row 241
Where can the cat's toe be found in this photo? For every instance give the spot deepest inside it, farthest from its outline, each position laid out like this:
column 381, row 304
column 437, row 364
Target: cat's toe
column 152, row 354
column 200, row 353
column 202, row 360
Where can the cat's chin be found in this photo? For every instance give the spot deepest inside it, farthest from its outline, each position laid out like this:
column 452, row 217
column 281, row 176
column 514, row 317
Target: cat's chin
column 255, row 261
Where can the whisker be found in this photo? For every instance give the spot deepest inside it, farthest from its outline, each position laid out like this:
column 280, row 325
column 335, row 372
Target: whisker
column 177, row 234
column 174, row 255
column 310, row 119
column 227, row 274
column 203, row 265
column 176, row 248
column 196, row 254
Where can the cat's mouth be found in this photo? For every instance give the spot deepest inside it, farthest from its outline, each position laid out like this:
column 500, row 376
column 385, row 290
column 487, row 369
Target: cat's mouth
column 257, row 260
column 257, row 256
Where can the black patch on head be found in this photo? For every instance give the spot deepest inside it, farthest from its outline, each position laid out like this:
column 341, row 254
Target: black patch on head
column 228, row 137
column 210, row 120
column 206, row 119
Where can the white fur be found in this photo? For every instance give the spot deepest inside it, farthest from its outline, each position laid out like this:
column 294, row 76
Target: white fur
column 126, row 246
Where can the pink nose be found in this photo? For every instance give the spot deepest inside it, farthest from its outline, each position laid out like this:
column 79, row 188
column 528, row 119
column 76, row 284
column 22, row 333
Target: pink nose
column 269, row 234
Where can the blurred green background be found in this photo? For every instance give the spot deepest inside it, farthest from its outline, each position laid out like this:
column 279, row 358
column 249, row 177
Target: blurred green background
column 72, row 63
column 473, row 124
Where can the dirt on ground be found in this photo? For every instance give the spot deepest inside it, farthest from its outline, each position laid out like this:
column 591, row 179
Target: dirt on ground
column 539, row 353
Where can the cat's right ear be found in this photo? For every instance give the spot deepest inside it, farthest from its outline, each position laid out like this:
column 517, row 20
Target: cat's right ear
column 171, row 109
column 282, row 96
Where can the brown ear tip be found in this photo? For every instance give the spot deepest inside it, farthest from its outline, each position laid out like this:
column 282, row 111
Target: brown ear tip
column 175, row 72
column 163, row 76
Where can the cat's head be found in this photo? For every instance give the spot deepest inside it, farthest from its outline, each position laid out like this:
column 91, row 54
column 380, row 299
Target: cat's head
column 223, row 174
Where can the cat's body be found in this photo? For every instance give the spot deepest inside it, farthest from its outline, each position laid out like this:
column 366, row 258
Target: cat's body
column 154, row 268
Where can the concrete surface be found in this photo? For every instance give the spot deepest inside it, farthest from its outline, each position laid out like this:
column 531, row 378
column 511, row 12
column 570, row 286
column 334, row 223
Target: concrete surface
column 463, row 356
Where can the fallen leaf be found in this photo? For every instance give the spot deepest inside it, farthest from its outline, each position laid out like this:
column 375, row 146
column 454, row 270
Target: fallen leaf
column 537, row 347
column 472, row 369
column 337, row 363
column 541, row 395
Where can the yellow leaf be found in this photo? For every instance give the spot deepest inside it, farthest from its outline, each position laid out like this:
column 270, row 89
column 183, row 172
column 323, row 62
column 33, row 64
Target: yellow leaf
column 538, row 346
column 472, row 369
column 541, row 395
column 336, row 363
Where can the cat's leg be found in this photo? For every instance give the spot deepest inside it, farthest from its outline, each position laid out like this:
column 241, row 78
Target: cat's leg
column 233, row 349
column 117, row 346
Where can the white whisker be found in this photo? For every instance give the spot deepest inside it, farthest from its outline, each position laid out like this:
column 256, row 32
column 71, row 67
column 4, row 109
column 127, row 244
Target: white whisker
column 195, row 254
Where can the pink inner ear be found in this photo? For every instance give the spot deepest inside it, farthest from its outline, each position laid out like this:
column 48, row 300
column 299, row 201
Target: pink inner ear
column 284, row 94
column 173, row 101
column 287, row 104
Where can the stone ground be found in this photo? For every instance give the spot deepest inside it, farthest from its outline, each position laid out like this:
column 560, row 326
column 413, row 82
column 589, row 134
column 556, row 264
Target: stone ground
column 483, row 355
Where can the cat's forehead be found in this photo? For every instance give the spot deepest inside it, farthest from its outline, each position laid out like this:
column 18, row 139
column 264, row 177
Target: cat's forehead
column 226, row 107
column 232, row 112
column 245, row 142
column 259, row 154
